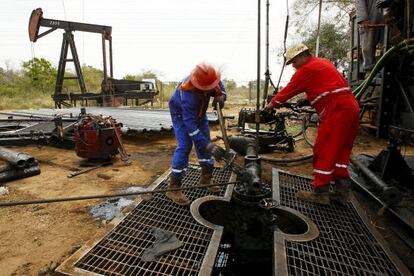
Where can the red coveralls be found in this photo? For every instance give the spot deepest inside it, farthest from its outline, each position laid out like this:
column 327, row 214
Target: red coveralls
column 328, row 92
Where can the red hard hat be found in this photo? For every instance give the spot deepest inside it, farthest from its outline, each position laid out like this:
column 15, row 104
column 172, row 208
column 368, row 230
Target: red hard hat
column 205, row 77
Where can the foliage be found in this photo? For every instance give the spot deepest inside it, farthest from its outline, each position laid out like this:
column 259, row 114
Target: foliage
column 333, row 42
column 338, row 8
column 229, row 84
column 334, row 30
column 41, row 73
column 147, row 74
column 33, row 85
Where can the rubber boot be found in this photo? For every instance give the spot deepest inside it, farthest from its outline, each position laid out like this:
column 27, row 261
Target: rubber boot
column 177, row 197
column 206, row 178
column 319, row 195
column 342, row 190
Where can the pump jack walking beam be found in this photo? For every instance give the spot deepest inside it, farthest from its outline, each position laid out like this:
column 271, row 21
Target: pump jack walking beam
column 36, row 21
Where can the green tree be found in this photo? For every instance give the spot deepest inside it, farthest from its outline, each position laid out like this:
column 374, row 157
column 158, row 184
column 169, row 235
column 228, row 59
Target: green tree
column 333, row 41
column 41, row 73
column 339, row 9
column 93, row 78
column 146, row 74
column 229, row 84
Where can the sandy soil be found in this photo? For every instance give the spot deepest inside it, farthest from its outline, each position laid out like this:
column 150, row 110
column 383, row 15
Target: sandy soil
column 35, row 239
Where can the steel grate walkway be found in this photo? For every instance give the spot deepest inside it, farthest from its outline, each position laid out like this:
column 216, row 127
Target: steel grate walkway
column 345, row 245
column 119, row 252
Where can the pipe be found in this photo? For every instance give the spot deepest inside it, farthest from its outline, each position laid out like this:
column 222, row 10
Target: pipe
column 390, row 194
column 257, row 114
column 287, row 160
column 17, row 159
column 267, row 73
column 13, row 174
column 243, row 145
column 65, row 199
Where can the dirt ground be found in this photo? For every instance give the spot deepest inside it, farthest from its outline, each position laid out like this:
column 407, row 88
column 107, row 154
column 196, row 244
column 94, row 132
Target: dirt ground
column 35, row 239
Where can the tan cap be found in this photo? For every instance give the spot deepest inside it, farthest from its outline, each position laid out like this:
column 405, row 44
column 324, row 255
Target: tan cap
column 294, row 51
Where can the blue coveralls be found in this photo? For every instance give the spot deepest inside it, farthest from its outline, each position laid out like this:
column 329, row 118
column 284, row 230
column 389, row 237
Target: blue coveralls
column 188, row 115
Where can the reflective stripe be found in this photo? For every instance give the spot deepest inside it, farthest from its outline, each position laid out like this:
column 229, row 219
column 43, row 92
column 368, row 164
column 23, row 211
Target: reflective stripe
column 181, row 94
column 341, row 165
column 195, row 132
column 342, row 89
column 205, row 160
column 177, row 171
column 278, row 102
column 323, row 172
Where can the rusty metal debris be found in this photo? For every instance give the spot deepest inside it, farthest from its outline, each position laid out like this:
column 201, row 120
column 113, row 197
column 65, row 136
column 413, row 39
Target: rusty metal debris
column 82, row 171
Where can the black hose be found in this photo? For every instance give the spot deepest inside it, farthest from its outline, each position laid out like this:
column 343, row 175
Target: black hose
column 305, row 135
column 284, row 161
column 54, row 200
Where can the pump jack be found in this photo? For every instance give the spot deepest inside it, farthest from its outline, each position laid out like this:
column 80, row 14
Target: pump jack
column 111, row 87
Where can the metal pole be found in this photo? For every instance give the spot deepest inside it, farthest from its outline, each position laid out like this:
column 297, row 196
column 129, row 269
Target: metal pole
column 267, row 73
column 319, row 28
column 257, row 115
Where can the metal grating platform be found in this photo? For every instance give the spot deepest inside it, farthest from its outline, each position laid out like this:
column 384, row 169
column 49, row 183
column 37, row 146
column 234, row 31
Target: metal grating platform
column 118, row 253
column 346, row 244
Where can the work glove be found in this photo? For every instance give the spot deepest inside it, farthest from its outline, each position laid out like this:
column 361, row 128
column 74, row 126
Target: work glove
column 268, row 108
column 302, row 102
column 217, row 151
column 218, row 99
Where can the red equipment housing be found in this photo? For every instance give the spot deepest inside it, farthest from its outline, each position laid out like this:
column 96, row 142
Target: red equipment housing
column 96, row 139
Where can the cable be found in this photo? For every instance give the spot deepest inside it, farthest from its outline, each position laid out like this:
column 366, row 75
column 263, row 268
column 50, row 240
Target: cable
column 55, row 200
column 284, row 45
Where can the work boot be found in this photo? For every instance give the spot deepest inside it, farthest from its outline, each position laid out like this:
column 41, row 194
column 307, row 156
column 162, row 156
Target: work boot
column 206, row 178
column 177, row 197
column 341, row 190
column 318, row 195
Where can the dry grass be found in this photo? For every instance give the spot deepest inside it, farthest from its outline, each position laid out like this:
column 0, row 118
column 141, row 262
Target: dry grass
column 25, row 101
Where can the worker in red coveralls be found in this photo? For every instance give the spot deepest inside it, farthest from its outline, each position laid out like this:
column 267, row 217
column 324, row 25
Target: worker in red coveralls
column 328, row 92
column 188, row 107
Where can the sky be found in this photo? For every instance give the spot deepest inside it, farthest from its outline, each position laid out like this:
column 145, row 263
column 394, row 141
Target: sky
column 168, row 37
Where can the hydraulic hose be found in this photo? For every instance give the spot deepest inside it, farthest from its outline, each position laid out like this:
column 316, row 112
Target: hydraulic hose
column 284, row 161
column 409, row 44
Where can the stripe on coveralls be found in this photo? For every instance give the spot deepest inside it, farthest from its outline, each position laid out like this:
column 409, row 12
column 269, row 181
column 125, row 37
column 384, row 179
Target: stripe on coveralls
column 323, row 172
column 195, row 132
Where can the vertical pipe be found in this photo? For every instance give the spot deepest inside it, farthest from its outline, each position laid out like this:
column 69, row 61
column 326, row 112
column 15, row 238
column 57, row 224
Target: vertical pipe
column 110, row 58
column 267, row 73
column 257, row 117
column 319, row 29
column 105, row 71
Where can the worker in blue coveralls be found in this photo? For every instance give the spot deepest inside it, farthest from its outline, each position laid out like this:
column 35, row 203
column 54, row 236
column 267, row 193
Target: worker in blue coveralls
column 188, row 108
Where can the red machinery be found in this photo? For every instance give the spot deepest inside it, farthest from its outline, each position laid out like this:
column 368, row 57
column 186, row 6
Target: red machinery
column 98, row 137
